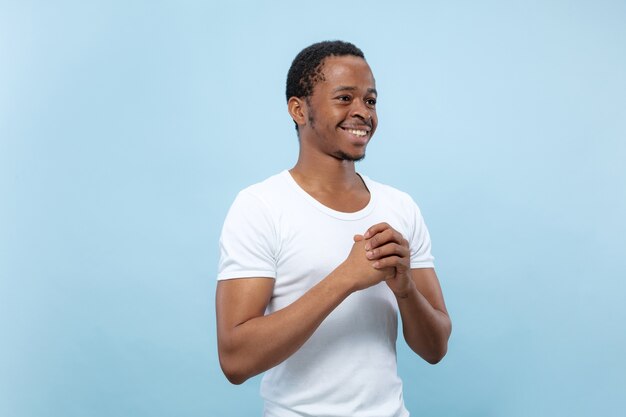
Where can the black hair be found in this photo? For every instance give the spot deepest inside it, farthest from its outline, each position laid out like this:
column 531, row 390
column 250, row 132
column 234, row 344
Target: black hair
column 306, row 68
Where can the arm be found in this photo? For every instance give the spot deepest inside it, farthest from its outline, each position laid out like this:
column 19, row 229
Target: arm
column 250, row 342
column 425, row 322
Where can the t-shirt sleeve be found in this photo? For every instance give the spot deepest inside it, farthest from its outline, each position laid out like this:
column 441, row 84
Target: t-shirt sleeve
column 248, row 240
column 419, row 242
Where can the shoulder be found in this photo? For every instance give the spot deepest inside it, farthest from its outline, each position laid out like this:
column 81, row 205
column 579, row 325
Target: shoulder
column 264, row 193
column 255, row 213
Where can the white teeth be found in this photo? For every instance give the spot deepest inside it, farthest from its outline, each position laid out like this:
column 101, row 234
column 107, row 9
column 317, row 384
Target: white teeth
column 357, row 132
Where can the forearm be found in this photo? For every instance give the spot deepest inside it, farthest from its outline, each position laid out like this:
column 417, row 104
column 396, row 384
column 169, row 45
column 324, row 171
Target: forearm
column 425, row 328
column 263, row 342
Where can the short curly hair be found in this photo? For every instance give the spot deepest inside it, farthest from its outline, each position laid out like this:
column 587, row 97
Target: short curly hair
column 306, row 68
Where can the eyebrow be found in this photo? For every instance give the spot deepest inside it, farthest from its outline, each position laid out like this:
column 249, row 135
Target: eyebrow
column 347, row 88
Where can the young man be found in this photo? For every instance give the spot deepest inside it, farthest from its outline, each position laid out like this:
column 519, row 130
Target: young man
column 317, row 261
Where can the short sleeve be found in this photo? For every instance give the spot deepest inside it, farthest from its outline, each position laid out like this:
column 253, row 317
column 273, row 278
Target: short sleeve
column 248, row 240
column 419, row 242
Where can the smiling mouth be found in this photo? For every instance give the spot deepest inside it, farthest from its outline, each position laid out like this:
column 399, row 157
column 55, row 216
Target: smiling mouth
column 357, row 132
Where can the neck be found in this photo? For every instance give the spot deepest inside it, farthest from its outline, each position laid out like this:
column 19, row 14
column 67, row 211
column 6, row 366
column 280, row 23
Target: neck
column 325, row 172
column 331, row 181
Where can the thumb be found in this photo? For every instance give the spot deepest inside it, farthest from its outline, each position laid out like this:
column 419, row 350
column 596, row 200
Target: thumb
column 358, row 238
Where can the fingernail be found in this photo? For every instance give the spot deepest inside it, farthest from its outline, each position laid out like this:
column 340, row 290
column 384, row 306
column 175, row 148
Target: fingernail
column 369, row 255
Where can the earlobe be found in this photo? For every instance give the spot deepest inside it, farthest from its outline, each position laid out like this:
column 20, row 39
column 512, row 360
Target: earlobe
column 297, row 110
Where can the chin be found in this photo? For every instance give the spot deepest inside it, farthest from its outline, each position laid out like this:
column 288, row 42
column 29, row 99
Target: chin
column 349, row 157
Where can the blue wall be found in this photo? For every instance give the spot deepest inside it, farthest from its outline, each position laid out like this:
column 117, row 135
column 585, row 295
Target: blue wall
column 127, row 128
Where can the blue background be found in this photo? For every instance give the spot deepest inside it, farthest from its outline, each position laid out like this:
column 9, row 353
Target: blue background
column 127, row 128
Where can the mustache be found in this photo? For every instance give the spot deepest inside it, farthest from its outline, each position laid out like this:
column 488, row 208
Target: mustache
column 357, row 124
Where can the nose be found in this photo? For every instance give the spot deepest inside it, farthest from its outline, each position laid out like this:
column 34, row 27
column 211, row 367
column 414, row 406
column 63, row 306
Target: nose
column 360, row 110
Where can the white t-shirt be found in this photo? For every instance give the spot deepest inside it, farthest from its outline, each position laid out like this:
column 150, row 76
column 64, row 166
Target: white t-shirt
column 348, row 367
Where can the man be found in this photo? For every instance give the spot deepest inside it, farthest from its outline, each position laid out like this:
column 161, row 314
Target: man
column 317, row 261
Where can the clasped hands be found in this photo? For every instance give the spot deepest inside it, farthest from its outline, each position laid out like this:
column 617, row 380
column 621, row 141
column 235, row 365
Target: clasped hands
column 386, row 253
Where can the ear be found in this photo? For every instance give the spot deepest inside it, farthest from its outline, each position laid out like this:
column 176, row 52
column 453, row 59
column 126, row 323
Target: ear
column 298, row 110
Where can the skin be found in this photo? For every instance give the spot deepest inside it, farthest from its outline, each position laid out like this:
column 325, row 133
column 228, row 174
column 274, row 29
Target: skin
column 250, row 342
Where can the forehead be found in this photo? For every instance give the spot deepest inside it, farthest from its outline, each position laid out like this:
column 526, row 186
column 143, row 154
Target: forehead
column 349, row 71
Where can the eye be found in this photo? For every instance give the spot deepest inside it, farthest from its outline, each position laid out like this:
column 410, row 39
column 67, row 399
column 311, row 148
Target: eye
column 344, row 98
column 371, row 102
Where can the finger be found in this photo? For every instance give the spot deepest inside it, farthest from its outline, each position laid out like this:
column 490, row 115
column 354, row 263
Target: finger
column 390, row 261
column 388, row 250
column 377, row 228
column 382, row 238
column 358, row 238
column 378, row 239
